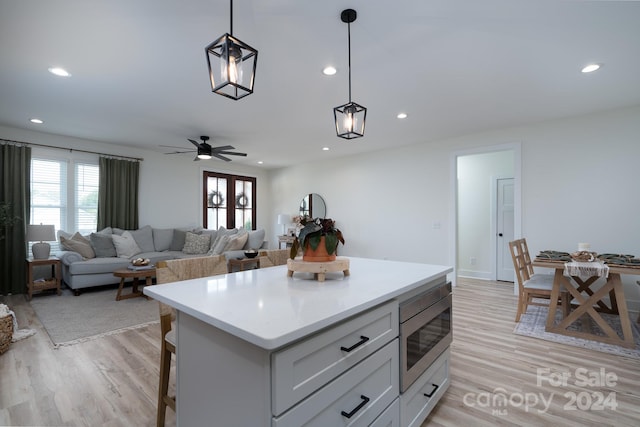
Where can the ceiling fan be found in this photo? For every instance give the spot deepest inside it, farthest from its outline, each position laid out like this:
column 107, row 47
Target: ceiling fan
column 205, row 151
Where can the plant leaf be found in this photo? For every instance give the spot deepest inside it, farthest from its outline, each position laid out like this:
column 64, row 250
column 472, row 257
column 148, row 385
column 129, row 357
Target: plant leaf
column 331, row 243
column 314, row 241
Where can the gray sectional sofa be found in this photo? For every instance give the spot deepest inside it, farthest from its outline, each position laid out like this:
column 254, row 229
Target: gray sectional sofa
column 89, row 261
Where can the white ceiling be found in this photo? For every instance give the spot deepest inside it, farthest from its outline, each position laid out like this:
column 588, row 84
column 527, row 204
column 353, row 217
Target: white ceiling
column 139, row 72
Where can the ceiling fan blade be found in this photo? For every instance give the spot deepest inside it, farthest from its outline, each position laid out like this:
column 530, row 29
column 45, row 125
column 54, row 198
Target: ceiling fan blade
column 171, row 146
column 181, row 152
column 231, row 153
column 217, row 155
column 223, row 148
column 197, row 144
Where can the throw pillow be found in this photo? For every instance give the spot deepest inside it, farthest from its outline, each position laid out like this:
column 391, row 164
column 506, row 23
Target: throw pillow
column 102, row 245
column 256, row 238
column 196, row 243
column 236, row 242
column 162, row 239
column 177, row 243
column 222, row 231
column 79, row 244
column 126, row 245
column 221, row 243
column 144, row 238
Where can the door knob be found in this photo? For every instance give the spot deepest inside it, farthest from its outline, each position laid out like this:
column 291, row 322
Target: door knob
column 500, row 234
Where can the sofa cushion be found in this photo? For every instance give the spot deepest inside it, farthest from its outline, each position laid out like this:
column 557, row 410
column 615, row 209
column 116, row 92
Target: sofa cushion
column 221, row 232
column 255, row 240
column 102, row 245
column 126, row 245
column 162, row 239
column 177, row 243
column 196, row 243
column 144, row 238
column 220, row 244
column 78, row 244
column 236, row 242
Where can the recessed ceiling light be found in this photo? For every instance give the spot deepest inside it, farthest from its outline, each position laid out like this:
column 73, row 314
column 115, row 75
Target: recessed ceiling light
column 591, row 68
column 325, row 148
column 402, row 115
column 329, row 71
column 61, row 72
column 260, row 162
column 36, row 121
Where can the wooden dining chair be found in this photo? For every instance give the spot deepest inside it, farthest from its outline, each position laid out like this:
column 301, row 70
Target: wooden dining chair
column 173, row 271
column 532, row 285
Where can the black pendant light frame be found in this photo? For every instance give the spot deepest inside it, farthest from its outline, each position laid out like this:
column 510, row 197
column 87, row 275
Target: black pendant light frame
column 219, row 52
column 350, row 117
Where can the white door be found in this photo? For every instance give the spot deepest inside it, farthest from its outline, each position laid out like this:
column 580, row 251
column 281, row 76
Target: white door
column 504, row 229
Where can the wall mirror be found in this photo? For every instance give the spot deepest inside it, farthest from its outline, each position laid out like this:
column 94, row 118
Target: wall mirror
column 313, row 205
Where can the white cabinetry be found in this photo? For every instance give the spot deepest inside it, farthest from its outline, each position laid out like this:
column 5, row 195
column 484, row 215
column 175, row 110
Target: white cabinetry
column 422, row 396
column 303, row 368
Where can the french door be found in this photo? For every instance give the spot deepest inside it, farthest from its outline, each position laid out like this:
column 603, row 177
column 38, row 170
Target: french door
column 229, row 201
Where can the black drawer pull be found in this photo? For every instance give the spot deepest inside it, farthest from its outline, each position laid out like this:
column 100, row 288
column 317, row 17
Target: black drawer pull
column 363, row 340
column 435, row 387
column 365, row 400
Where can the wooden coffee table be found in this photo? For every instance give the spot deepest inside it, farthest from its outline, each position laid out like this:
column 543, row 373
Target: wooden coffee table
column 125, row 273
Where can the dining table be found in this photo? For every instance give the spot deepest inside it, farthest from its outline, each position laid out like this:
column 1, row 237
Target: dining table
column 588, row 302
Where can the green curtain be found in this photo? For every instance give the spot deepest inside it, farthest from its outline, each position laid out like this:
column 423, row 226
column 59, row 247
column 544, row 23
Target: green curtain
column 15, row 196
column 118, row 194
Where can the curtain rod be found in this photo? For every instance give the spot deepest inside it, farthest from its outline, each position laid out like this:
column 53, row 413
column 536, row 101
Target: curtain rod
column 72, row 149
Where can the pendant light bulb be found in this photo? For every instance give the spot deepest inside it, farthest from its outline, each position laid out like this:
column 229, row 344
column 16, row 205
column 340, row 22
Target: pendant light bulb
column 231, row 64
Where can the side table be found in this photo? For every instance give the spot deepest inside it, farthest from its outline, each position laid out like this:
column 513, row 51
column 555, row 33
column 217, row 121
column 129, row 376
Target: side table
column 43, row 284
column 243, row 264
column 287, row 240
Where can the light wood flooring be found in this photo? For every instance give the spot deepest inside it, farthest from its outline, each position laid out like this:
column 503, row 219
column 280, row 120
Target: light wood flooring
column 112, row 381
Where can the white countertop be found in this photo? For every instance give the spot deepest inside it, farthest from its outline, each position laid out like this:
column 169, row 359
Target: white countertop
column 269, row 309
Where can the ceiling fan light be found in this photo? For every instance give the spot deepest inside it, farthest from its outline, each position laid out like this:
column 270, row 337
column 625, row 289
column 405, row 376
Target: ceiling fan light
column 204, row 156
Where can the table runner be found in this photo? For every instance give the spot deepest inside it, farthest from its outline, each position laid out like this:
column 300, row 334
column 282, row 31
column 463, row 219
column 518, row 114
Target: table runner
column 584, row 270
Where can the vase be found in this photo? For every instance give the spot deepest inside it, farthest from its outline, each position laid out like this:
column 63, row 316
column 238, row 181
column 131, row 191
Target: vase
column 320, row 254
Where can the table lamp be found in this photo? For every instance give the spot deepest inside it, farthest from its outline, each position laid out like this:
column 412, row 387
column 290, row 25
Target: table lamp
column 42, row 234
column 284, row 219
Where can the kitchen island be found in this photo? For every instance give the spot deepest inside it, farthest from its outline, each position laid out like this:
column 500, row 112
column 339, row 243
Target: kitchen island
column 259, row 348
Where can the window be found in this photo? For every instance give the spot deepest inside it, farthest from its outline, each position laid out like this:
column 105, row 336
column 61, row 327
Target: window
column 65, row 193
column 229, row 201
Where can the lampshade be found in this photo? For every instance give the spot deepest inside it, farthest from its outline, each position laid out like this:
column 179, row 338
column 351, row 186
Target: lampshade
column 41, row 233
column 232, row 65
column 284, row 219
column 350, row 117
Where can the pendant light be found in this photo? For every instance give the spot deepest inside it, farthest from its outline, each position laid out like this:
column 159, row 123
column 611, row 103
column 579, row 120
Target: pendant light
column 232, row 64
column 350, row 117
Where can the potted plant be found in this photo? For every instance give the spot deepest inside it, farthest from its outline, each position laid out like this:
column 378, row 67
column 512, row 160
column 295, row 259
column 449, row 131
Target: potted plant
column 7, row 218
column 316, row 235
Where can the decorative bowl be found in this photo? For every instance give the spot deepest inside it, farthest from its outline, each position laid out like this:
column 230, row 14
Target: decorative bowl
column 252, row 253
column 139, row 262
column 584, row 256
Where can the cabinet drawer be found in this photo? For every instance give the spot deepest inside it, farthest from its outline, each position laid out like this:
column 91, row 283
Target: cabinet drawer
column 390, row 417
column 418, row 401
column 304, row 367
column 363, row 392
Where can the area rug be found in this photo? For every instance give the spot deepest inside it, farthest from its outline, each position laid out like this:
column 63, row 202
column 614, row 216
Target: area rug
column 71, row 319
column 532, row 324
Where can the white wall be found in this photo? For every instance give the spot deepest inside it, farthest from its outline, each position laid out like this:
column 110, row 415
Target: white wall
column 578, row 185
